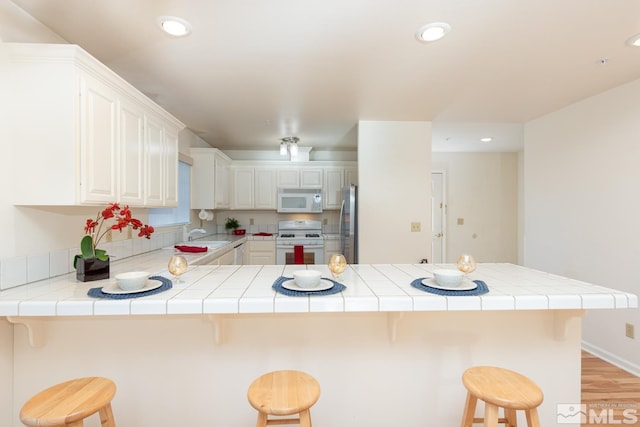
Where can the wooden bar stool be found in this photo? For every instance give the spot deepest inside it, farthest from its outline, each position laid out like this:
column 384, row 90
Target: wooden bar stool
column 68, row 404
column 284, row 393
column 500, row 388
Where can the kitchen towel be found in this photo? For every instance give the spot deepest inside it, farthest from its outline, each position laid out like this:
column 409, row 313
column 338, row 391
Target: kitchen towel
column 194, row 249
column 298, row 254
column 166, row 285
column 277, row 286
column 481, row 289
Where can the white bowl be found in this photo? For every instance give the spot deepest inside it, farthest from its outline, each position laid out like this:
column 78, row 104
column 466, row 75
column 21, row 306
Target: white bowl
column 307, row 278
column 449, row 278
column 132, row 281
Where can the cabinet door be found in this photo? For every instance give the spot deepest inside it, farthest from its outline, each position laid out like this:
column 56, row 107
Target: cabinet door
column 310, row 177
column 98, row 141
column 333, row 183
column 170, row 167
column 288, row 178
column 351, row 176
column 154, row 182
column 242, row 188
column 221, row 183
column 262, row 258
column 265, row 191
column 131, row 154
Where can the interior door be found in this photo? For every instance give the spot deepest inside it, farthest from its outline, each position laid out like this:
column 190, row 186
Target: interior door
column 438, row 217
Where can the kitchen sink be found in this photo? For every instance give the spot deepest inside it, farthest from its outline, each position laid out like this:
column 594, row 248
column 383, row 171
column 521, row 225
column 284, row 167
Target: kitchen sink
column 211, row 244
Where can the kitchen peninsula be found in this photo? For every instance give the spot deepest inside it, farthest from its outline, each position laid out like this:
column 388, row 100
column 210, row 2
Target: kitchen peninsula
column 385, row 353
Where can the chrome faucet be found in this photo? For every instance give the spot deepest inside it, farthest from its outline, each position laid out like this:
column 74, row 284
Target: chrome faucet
column 195, row 230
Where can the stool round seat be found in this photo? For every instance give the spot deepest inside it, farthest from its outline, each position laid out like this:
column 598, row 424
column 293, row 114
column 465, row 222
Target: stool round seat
column 284, row 392
column 70, row 402
column 500, row 388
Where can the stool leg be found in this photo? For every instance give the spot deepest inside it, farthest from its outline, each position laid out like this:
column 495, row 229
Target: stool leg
column 510, row 417
column 469, row 410
column 106, row 416
column 305, row 418
column 262, row 420
column 532, row 418
column 490, row 415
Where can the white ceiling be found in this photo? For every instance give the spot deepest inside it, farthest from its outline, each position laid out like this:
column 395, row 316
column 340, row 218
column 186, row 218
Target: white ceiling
column 254, row 71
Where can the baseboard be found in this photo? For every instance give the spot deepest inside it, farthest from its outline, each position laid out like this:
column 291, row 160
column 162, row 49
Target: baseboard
column 623, row 364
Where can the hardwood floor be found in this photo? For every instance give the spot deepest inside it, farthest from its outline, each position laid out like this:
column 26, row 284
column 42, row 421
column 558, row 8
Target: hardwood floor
column 604, row 387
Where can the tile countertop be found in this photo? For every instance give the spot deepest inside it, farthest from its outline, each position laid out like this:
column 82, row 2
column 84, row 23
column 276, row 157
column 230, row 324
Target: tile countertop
column 236, row 289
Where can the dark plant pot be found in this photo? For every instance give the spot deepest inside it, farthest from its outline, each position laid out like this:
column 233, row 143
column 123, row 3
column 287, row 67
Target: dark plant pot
column 88, row 270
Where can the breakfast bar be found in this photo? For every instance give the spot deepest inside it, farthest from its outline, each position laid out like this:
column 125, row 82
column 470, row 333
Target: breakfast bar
column 384, row 352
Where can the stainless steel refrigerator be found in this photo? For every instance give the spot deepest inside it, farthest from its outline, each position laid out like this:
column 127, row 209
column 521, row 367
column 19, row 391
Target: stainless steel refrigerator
column 349, row 224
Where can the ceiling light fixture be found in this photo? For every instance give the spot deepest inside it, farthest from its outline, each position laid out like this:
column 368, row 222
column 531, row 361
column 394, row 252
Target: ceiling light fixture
column 432, row 32
column 289, row 144
column 486, row 139
column 634, row 41
column 176, row 27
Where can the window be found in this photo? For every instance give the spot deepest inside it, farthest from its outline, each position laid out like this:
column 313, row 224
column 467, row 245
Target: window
column 160, row 217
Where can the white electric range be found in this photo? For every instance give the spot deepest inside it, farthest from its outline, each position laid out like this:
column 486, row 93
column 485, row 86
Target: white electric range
column 304, row 234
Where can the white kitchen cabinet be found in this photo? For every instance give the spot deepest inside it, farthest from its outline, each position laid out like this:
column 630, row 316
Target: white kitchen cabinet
column 210, row 183
column 260, row 252
column 253, row 187
column 98, row 140
column 80, row 126
column 161, row 155
column 243, row 188
column 351, row 175
column 299, row 177
column 331, row 246
column 311, row 177
column 265, row 190
column 288, row 177
column 332, row 187
column 171, row 166
column 132, row 159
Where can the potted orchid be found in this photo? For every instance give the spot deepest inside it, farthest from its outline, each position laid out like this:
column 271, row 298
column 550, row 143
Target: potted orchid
column 93, row 263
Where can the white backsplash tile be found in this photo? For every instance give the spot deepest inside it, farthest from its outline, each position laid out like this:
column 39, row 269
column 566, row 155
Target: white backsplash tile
column 59, row 263
column 13, row 272
column 38, row 267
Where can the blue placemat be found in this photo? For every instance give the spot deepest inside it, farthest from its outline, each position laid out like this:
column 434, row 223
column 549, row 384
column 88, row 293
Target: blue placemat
column 277, row 286
column 166, row 284
column 481, row 289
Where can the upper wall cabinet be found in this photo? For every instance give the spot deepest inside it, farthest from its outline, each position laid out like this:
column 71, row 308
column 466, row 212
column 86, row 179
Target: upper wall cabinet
column 253, row 187
column 91, row 136
column 299, row 177
column 210, row 184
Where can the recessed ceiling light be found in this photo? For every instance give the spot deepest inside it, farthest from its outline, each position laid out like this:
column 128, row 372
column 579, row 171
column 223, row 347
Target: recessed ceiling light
column 176, row 27
column 634, row 41
column 432, row 32
column 486, row 139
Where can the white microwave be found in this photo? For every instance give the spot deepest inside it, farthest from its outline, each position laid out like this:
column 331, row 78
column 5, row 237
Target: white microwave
column 299, row 200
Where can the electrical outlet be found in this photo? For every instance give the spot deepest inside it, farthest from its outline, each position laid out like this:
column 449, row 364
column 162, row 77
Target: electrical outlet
column 629, row 330
column 250, row 221
column 108, row 237
column 415, row 227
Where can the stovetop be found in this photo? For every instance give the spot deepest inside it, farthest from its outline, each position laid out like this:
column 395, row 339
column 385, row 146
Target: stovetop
column 300, row 232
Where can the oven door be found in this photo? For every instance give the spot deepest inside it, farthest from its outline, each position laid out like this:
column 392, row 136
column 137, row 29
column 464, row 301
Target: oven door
column 313, row 254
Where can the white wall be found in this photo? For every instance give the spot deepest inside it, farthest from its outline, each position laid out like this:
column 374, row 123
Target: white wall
column 482, row 190
column 582, row 204
column 394, row 176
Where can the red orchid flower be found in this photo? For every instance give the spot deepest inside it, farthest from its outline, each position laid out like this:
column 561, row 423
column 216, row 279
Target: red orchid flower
column 123, row 219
